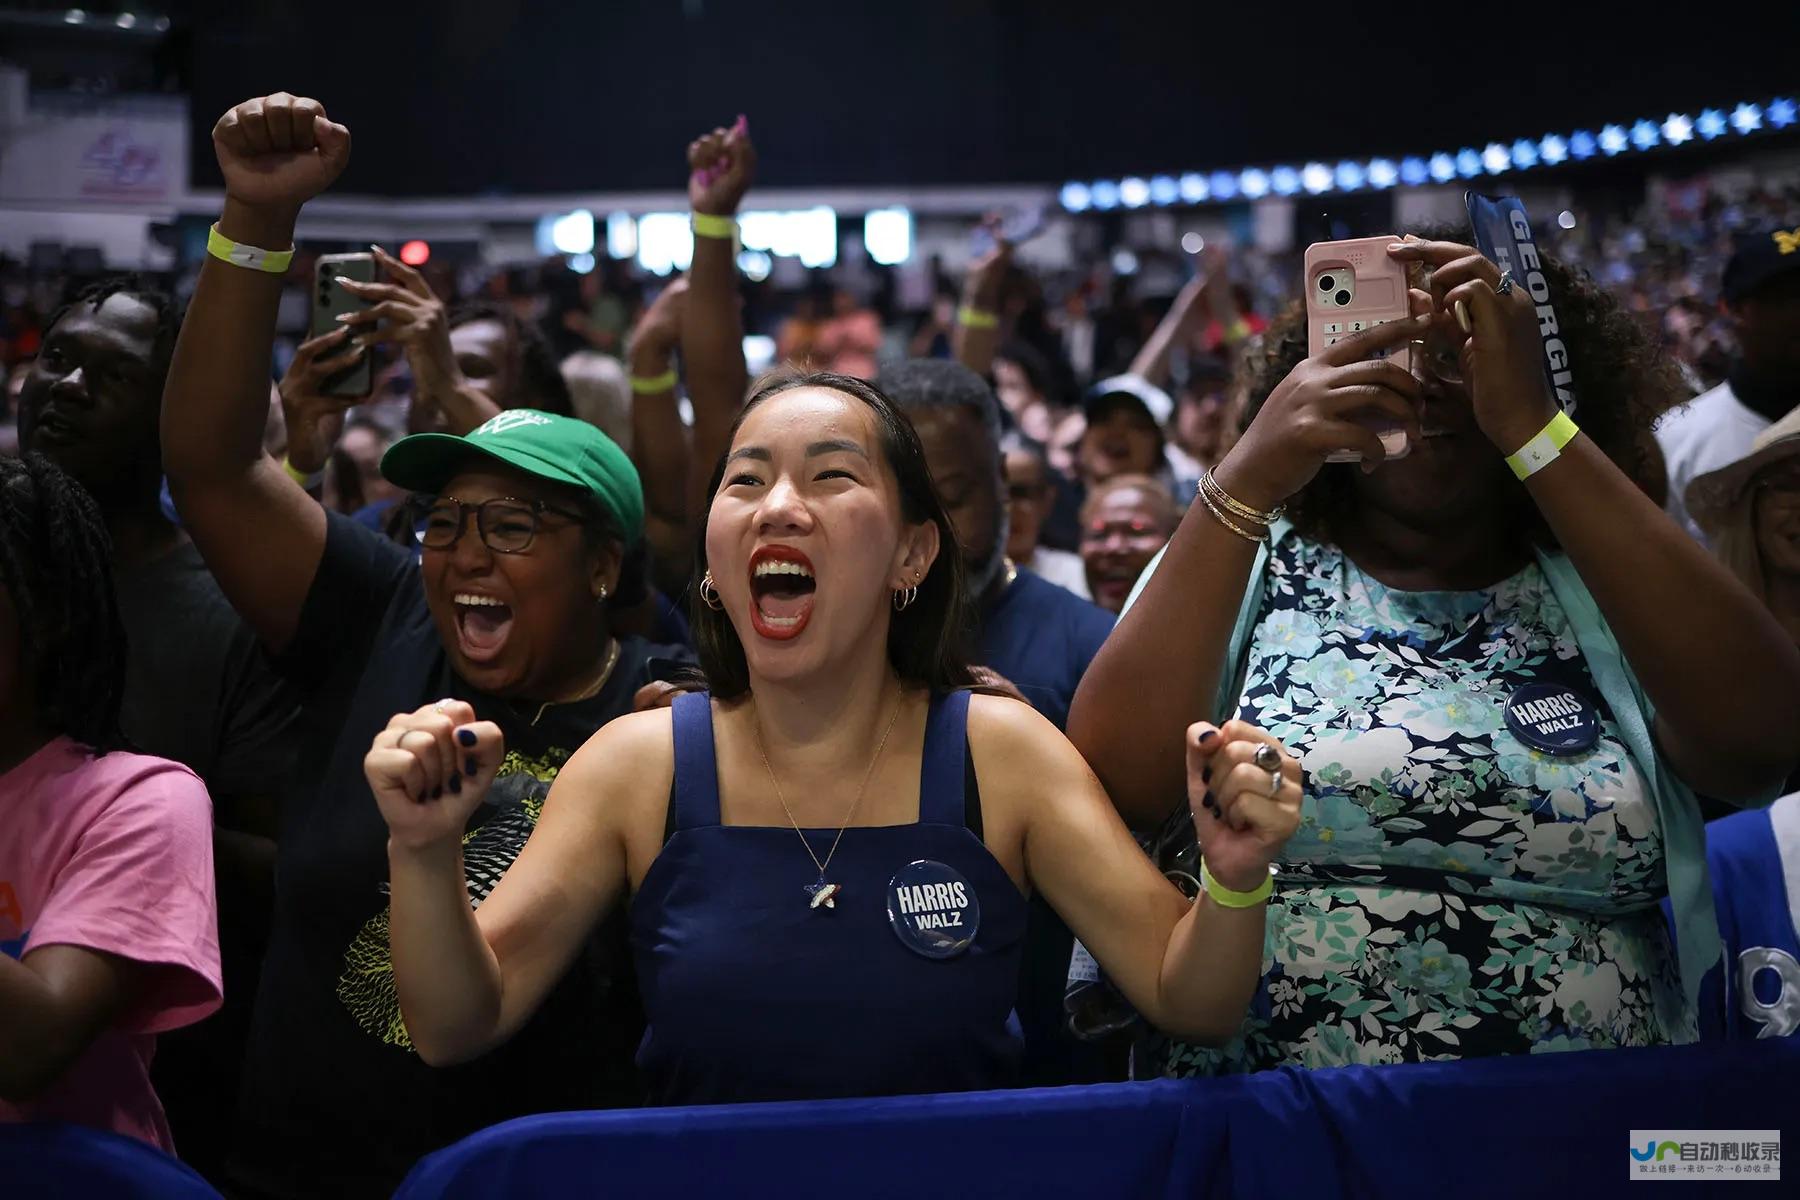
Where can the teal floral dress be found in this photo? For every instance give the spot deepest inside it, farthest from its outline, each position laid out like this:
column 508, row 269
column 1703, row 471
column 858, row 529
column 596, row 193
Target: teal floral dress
column 1450, row 892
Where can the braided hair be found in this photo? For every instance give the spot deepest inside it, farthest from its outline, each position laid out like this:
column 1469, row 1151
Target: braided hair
column 56, row 565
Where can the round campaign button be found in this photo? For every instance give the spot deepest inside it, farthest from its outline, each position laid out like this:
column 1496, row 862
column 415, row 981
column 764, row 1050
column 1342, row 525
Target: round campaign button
column 1553, row 718
column 932, row 909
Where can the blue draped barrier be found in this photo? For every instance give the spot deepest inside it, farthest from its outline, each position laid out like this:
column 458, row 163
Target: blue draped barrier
column 1551, row 1125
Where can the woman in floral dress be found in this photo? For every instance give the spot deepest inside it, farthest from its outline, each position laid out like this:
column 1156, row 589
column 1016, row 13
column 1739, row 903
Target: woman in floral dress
column 1502, row 691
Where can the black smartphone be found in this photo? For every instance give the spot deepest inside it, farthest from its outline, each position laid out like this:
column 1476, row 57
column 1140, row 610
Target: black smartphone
column 329, row 299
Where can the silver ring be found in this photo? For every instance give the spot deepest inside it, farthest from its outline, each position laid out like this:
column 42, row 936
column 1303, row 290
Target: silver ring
column 1505, row 286
column 1267, row 757
column 1275, row 782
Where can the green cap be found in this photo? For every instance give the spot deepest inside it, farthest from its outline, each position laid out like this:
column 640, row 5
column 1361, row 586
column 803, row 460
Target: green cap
column 560, row 449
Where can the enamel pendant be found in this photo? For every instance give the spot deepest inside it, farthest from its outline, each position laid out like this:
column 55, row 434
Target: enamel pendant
column 824, row 895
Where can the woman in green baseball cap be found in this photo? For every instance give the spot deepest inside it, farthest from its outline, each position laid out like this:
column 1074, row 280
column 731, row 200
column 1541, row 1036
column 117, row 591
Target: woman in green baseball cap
column 521, row 527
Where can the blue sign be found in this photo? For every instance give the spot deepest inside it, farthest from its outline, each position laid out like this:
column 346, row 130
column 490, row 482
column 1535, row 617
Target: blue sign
column 1553, row 718
column 933, row 910
column 1504, row 235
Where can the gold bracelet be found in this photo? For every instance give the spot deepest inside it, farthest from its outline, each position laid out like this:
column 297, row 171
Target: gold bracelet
column 1212, row 488
column 1230, row 524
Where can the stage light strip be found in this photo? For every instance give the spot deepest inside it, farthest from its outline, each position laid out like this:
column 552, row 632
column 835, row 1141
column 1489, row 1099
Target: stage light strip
column 1377, row 174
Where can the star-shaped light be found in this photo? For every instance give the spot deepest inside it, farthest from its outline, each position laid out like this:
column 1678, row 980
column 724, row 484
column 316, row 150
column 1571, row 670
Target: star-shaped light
column 1443, row 167
column 1254, row 183
column 1315, row 178
column 1645, row 134
column 1781, row 113
column 1711, row 124
column 1582, row 144
column 1382, row 173
column 1612, row 139
column 1677, row 128
column 1553, row 149
column 1746, row 118
column 1524, row 154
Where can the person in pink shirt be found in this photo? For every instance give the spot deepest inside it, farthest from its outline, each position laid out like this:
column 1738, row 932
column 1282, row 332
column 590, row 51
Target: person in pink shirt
column 108, row 929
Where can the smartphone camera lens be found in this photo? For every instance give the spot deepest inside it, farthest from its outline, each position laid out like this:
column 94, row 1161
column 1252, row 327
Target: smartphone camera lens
column 1343, row 297
column 1326, row 283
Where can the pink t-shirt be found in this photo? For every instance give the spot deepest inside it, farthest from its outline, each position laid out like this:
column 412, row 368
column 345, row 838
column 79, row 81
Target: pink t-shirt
column 113, row 854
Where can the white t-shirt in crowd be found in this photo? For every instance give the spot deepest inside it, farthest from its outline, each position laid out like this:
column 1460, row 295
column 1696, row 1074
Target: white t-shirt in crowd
column 1712, row 430
column 1061, row 567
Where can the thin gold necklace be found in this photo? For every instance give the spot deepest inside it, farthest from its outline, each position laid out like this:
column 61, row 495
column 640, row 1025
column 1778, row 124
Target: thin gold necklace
column 593, row 689
column 824, row 895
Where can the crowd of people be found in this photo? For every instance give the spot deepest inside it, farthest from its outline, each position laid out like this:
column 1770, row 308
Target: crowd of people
column 571, row 721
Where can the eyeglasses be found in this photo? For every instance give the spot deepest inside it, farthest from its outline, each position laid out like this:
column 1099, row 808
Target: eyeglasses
column 506, row 525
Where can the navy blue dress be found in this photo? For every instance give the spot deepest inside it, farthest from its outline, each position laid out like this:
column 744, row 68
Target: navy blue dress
column 753, row 995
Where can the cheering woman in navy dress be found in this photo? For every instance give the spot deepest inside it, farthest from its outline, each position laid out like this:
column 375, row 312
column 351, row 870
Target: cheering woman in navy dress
column 828, row 855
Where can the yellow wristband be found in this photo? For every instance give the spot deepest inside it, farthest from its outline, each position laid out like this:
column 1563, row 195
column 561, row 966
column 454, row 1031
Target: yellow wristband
column 974, row 318
column 1226, row 898
column 273, row 262
column 309, row 482
column 649, row 385
column 714, row 226
column 1543, row 449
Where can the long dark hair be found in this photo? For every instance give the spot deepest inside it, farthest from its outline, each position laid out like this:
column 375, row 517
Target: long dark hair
column 56, row 563
column 925, row 639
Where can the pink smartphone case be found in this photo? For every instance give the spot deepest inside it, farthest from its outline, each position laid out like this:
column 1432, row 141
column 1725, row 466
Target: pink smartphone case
column 1378, row 296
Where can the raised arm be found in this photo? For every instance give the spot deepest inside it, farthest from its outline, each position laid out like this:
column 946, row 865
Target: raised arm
column 1159, row 669
column 659, row 441
column 1190, row 969
column 722, row 165
column 405, row 311
column 468, row 980
column 262, row 536
column 977, row 333
column 1723, row 675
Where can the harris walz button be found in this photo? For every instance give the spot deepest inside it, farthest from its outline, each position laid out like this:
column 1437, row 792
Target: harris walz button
column 932, row 909
column 1553, row 718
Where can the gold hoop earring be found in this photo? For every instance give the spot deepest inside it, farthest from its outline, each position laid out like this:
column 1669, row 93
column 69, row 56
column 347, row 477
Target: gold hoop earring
column 903, row 597
column 709, row 594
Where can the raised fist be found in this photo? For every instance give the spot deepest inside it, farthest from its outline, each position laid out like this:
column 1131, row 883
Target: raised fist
column 721, row 165
column 279, row 151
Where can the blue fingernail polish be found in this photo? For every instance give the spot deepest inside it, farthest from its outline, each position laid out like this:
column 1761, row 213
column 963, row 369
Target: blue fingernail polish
column 1206, row 775
column 456, row 783
column 1207, row 737
column 466, row 736
column 471, row 766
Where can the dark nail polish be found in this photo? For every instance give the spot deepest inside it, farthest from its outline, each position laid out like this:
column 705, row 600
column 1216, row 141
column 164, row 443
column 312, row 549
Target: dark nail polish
column 437, row 793
column 1210, row 802
column 1206, row 739
column 455, row 783
column 1206, row 775
column 470, row 766
column 466, row 736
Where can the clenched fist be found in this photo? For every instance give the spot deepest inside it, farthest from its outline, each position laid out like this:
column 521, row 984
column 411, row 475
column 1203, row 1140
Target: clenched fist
column 430, row 770
column 279, row 151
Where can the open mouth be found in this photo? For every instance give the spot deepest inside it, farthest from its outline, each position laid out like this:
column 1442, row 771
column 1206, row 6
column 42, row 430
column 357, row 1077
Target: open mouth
column 52, row 426
column 781, row 592
column 482, row 625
